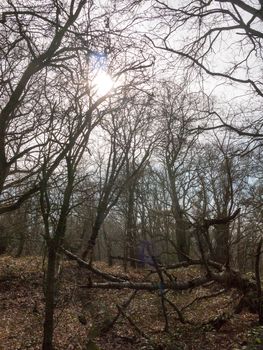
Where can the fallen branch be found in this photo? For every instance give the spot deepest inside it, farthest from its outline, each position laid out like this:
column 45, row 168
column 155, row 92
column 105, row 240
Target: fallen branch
column 203, row 297
column 162, row 282
column 149, row 286
column 133, row 324
column 179, row 312
column 228, row 278
column 138, row 261
column 124, row 305
column 87, row 265
column 194, row 262
column 188, row 262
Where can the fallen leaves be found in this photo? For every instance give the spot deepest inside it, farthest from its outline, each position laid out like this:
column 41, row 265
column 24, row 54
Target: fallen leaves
column 22, row 306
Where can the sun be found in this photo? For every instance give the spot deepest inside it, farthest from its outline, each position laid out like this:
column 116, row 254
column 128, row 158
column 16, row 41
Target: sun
column 103, row 83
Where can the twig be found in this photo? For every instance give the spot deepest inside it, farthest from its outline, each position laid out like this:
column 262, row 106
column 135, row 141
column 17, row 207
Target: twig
column 203, row 297
column 179, row 313
column 138, row 329
column 124, row 305
column 159, row 271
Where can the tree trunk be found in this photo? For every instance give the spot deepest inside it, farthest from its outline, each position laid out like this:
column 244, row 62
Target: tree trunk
column 4, row 167
column 94, row 234
column 241, row 252
column 108, row 244
column 182, row 239
column 221, row 243
column 109, row 253
column 3, row 240
column 181, row 231
column 125, row 261
column 21, row 244
column 98, row 250
column 130, row 226
column 49, row 299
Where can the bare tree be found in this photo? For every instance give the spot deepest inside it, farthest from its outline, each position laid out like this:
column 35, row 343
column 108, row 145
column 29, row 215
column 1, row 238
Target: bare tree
column 223, row 181
column 27, row 57
column 179, row 113
column 220, row 41
column 49, row 69
column 128, row 140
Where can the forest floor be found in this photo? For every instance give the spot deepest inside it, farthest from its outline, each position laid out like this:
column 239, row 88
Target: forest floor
column 82, row 313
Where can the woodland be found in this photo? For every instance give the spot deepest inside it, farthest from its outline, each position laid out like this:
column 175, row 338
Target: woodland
column 130, row 174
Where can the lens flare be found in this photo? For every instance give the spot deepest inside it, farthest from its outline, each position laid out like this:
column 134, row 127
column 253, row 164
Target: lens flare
column 103, row 83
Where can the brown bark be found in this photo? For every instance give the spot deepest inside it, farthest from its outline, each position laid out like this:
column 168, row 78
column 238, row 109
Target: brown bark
column 241, row 258
column 258, row 280
column 182, row 239
column 221, row 251
column 130, row 227
column 181, row 231
column 222, row 235
column 21, row 244
column 49, row 299
column 88, row 252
